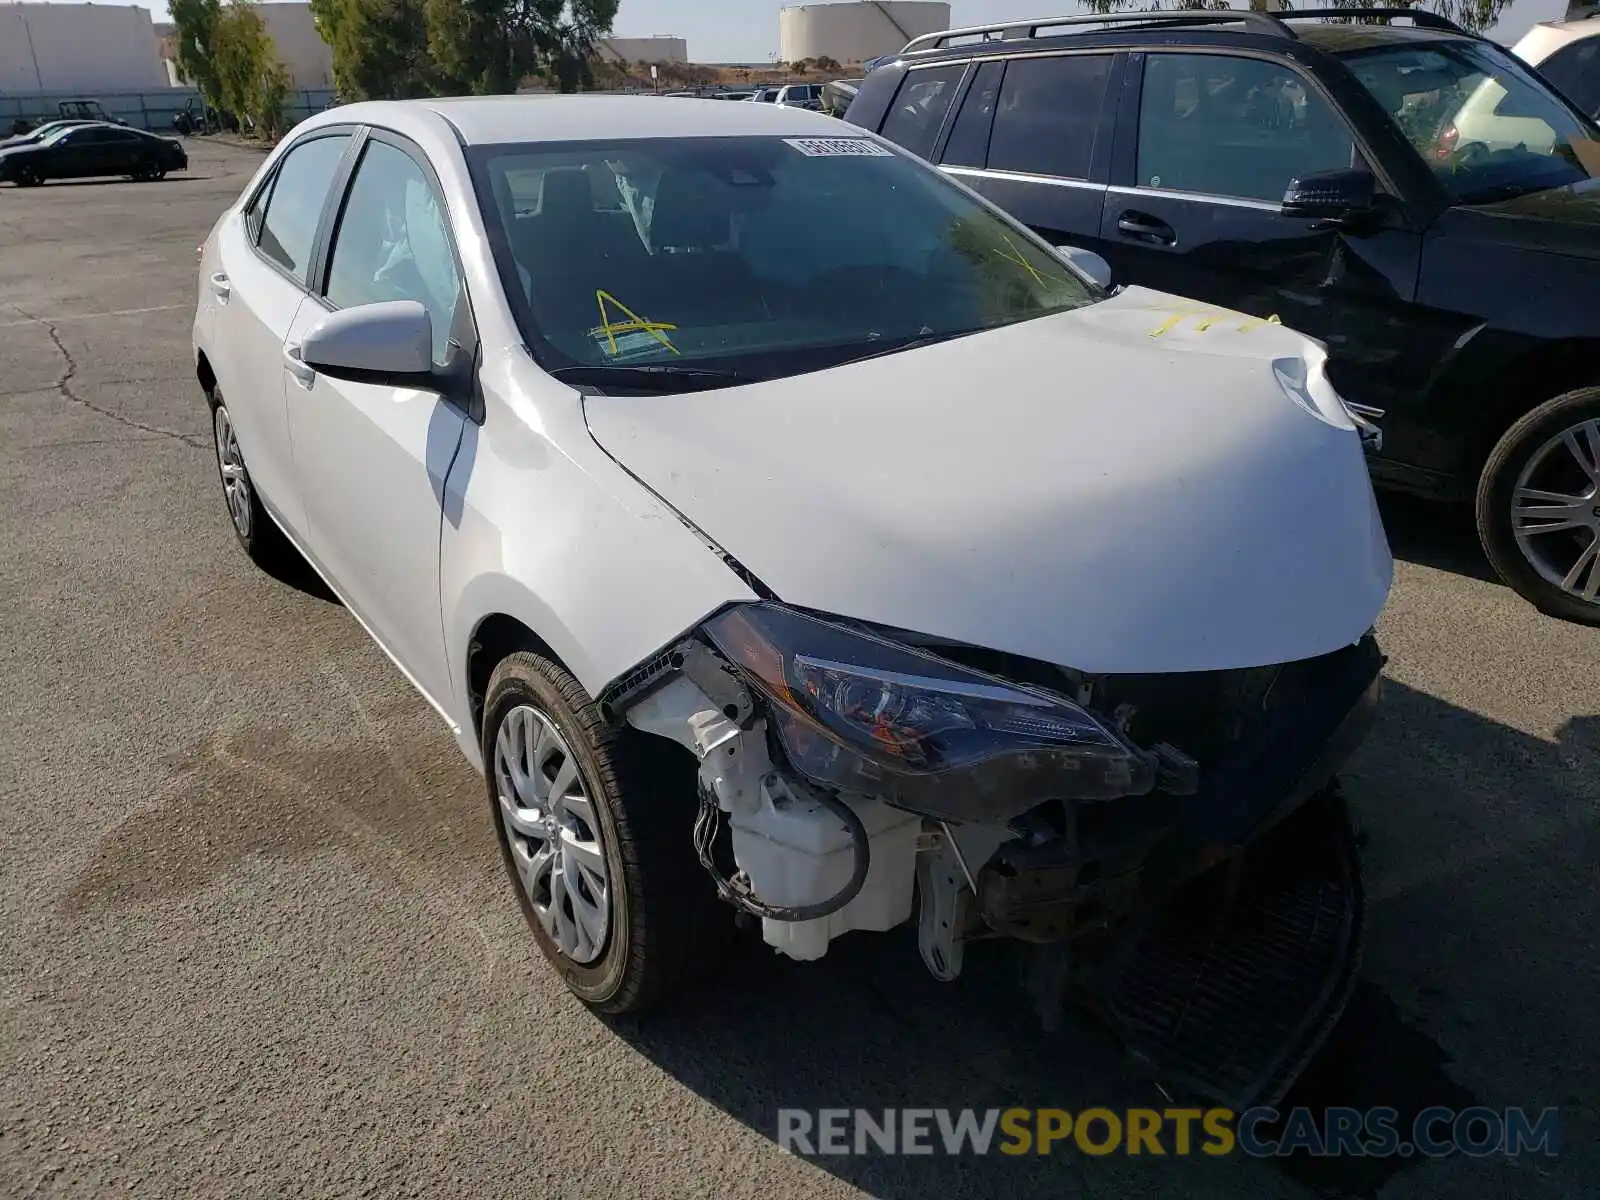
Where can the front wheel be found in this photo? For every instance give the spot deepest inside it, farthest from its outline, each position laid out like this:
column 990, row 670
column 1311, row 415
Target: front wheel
column 594, row 825
column 1538, row 506
column 29, row 177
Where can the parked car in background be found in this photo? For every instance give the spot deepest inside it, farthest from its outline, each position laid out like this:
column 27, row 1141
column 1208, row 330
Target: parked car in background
column 34, row 136
column 82, row 110
column 838, row 96
column 736, row 96
column 1567, row 53
column 1413, row 196
column 766, row 95
column 800, row 95
column 879, row 552
column 86, row 151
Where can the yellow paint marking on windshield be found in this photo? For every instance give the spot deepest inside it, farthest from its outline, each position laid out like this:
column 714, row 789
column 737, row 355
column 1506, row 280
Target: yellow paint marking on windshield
column 634, row 324
column 1016, row 257
column 1208, row 318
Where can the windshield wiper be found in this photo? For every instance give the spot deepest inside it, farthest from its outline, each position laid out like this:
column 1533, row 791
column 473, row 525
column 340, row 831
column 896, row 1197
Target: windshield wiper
column 651, row 377
column 910, row 343
column 1501, row 192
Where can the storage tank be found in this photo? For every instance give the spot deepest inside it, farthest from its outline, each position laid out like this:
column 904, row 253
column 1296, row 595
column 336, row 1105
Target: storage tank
column 853, row 33
column 85, row 48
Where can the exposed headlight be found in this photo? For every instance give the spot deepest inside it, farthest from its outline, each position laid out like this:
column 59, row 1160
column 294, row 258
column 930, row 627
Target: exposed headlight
column 864, row 714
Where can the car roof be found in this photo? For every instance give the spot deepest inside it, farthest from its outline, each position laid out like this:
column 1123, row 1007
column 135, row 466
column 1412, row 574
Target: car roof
column 497, row 120
column 1342, row 39
column 1545, row 38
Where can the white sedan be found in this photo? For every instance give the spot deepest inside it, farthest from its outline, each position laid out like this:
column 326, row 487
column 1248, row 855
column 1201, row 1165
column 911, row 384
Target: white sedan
column 775, row 523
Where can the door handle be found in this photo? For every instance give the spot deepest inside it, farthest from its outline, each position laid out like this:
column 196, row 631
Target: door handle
column 304, row 374
column 1145, row 228
column 221, row 287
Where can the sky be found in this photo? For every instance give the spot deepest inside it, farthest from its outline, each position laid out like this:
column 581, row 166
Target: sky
column 747, row 30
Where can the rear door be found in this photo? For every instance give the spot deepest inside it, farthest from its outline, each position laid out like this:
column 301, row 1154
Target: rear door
column 1033, row 135
column 1207, row 144
column 371, row 461
column 265, row 256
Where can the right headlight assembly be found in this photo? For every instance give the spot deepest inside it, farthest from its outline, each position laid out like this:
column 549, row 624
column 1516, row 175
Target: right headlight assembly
column 863, row 714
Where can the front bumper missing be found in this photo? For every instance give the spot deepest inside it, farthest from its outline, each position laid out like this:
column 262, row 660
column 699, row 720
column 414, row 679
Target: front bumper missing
column 1230, row 988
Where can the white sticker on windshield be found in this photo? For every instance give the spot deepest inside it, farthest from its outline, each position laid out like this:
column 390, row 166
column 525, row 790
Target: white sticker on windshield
column 839, row 148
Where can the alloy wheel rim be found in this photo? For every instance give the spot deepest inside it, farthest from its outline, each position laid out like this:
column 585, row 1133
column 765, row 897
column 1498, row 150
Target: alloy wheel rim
column 1555, row 511
column 548, row 819
column 235, row 482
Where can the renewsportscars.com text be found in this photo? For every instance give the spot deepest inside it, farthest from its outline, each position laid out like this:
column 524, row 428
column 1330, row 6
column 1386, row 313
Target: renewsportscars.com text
column 1214, row 1132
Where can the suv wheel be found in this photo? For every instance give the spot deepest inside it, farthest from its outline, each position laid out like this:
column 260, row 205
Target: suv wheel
column 260, row 536
column 1539, row 506
column 595, row 825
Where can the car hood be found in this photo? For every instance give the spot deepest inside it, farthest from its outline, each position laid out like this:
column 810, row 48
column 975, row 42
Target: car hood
column 1124, row 488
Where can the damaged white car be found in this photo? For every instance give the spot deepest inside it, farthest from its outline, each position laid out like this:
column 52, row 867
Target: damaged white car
column 790, row 535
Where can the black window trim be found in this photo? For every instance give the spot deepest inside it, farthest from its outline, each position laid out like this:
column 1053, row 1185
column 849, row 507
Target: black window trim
column 341, row 175
column 1124, row 173
column 464, row 333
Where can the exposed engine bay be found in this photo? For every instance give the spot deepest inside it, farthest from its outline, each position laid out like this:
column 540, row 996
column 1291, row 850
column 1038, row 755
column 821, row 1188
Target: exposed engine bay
column 865, row 780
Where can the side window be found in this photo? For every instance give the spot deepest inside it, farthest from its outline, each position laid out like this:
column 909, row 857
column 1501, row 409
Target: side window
column 1049, row 110
column 918, row 111
column 289, row 228
column 1225, row 126
column 1575, row 70
column 393, row 243
column 969, row 139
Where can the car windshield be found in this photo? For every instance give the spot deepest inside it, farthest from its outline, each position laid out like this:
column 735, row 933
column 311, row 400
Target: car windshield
column 1489, row 127
column 760, row 256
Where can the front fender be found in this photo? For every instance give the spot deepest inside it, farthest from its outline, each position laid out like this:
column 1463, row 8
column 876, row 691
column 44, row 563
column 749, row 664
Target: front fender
column 541, row 526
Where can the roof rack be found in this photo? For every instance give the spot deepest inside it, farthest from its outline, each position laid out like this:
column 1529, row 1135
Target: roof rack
column 1273, row 24
column 1421, row 19
column 1011, row 31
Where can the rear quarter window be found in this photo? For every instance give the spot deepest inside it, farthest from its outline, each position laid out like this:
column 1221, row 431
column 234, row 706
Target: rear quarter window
column 920, row 106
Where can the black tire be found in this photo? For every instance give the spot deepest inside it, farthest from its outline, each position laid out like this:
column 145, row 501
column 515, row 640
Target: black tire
column 1497, row 486
column 29, row 177
column 666, row 929
column 260, row 536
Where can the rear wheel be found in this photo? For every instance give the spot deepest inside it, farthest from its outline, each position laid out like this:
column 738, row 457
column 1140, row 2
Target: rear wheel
column 1538, row 506
column 29, row 177
column 260, row 536
column 595, row 824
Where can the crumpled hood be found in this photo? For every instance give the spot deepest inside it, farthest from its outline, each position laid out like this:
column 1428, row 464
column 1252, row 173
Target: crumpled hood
column 1124, row 488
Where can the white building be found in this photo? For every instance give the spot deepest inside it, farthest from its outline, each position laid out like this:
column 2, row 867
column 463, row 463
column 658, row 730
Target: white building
column 853, row 33
column 657, row 49
column 85, row 48
column 293, row 32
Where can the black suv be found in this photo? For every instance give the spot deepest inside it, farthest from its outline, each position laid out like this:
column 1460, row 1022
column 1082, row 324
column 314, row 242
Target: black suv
column 1412, row 195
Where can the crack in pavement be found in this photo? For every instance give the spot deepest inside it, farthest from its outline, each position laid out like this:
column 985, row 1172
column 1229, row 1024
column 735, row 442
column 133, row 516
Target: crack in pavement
column 63, row 385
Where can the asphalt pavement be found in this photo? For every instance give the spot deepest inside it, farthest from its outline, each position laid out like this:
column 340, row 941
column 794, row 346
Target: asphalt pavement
column 257, row 942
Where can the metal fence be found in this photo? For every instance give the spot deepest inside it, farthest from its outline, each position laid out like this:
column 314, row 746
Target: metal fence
column 144, row 110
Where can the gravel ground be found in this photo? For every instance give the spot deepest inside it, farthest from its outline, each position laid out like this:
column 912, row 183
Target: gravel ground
column 258, row 942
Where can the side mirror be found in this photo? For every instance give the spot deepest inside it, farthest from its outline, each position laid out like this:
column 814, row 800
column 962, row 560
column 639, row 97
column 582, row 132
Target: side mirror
column 1331, row 195
column 390, row 343
column 1089, row 263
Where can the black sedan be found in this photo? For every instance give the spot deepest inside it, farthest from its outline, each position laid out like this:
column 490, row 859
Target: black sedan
column 86, row 151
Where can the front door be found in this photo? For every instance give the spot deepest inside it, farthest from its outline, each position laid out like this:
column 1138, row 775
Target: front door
column 371, row 461
column 1195, row 210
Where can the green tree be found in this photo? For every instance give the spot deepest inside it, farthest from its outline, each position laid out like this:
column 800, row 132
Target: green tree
column 380, row 47
column 250, row 79
column 486, row 46
column 196, row 28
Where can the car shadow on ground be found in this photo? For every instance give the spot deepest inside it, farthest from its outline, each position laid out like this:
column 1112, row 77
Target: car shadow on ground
column 1442, row 536
column 294, row 571
column 867, row 1027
